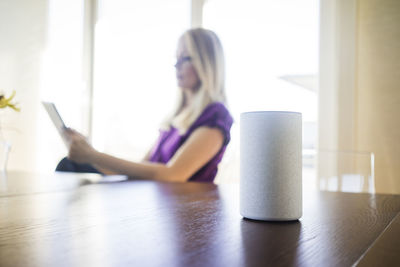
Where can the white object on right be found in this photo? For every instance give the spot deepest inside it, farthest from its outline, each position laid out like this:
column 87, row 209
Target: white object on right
column 271, row 165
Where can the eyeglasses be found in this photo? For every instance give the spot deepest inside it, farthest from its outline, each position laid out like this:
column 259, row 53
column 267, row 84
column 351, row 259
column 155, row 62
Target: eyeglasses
column 182, row 60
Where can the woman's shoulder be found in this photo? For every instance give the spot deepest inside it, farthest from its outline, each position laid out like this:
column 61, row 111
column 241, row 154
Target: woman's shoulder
column 216, row 108
column 215, row 113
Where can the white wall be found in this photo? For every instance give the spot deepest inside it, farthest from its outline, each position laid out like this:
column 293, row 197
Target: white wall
column 22, row 41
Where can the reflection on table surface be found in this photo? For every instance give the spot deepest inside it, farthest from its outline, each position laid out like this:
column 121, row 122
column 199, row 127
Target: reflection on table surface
column 79, row 220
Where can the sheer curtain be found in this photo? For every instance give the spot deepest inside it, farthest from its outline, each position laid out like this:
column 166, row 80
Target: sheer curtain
column 134, row 81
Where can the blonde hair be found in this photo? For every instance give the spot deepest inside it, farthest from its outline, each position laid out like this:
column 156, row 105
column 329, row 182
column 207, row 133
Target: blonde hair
column 207, row 58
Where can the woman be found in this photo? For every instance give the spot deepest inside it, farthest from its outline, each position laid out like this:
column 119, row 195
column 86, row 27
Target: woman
column 193, row 140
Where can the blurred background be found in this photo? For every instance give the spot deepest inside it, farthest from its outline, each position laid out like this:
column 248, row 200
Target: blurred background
column 108, row 66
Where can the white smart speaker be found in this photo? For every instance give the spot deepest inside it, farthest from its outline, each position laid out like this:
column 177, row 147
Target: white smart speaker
column 271, row 165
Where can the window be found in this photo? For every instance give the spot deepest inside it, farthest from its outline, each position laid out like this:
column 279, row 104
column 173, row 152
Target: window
column 134, row 82
column 272, row 63
column 271, row 52
column 62, row 79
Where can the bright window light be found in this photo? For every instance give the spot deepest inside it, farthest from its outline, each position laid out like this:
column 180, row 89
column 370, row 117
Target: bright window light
column 271, row 52
column 62, row 80
column 134, row 84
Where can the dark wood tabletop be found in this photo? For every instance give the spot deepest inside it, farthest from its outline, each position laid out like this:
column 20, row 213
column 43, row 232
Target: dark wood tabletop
column 78, row 220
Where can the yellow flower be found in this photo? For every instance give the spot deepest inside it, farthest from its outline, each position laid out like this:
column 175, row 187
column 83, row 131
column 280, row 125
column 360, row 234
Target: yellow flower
column 6, row 102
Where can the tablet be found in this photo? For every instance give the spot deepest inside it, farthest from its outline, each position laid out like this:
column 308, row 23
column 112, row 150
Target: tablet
column 57, row 121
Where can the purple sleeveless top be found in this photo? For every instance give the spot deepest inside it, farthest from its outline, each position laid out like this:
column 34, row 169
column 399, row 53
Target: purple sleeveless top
column 214, row 115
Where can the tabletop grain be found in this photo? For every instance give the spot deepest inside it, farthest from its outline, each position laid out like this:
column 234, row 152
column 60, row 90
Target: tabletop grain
column 73, row 221
column 385, row 251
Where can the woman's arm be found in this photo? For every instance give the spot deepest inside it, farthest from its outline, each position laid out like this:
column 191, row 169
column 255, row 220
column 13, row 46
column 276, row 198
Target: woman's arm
column 201, row 146
column 146, row 158
column 148, row 154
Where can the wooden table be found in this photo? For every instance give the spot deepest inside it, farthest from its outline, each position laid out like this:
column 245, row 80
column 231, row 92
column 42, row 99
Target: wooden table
column 63, row 220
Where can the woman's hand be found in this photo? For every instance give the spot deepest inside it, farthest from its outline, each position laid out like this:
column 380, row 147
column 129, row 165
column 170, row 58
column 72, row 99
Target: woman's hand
column 80, row 150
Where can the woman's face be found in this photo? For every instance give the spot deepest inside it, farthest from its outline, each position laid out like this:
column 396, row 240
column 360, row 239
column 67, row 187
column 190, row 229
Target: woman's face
column 185, row 73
